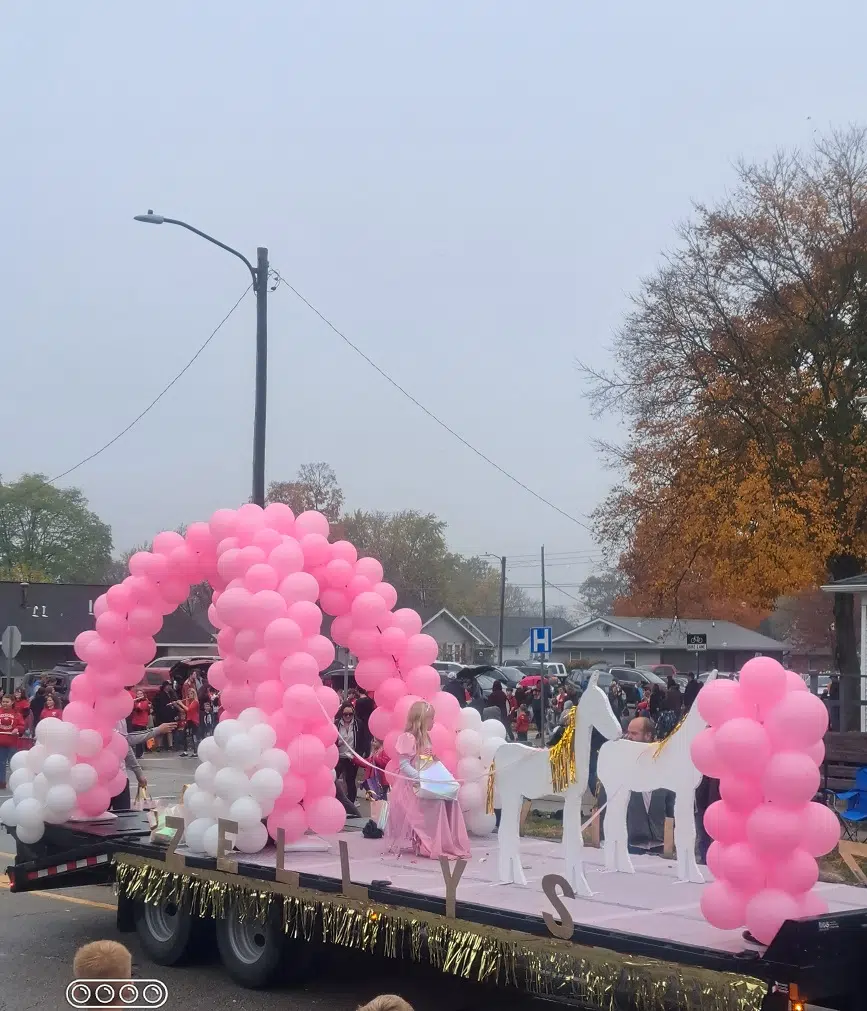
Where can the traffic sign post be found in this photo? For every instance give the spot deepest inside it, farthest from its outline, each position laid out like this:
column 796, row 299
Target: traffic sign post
column 541, row 638
column 10, row 643
column 696, row 642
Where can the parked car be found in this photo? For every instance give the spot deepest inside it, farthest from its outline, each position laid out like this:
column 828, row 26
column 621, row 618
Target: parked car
column 172, row 668
column 631, row 679
column 663, row 670
column 62, row 680
column 446, row 667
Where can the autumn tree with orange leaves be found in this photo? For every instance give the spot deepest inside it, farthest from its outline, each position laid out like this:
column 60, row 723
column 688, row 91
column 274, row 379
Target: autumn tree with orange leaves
column 741, row 373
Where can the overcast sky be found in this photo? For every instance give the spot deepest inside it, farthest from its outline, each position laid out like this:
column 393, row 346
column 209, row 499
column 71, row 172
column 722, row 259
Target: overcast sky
column 468, row 190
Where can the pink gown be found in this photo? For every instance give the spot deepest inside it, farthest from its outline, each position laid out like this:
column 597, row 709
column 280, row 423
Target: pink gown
column 429, row 828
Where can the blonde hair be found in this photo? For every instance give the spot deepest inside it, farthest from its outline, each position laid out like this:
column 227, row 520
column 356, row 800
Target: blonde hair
column 416, row 724
column 102, row 960
column 387, row 1001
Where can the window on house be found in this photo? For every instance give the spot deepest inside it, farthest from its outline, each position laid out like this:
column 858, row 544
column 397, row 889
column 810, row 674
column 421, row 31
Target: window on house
column 575, row 655
column 629, row 658
column 813, row 663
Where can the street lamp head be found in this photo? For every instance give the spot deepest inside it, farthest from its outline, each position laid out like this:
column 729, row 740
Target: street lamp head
column 150, row 218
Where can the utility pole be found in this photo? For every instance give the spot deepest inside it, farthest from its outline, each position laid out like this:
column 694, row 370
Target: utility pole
column 543, row 683
column 502, row 609
column 261, row 284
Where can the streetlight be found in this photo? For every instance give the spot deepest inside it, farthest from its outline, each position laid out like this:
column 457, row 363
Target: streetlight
column 260, row 287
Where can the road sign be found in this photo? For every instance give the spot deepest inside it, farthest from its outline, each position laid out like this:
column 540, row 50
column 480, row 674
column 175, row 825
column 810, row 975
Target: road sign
column 540, row 639
column 696, row 642
column 11, row 641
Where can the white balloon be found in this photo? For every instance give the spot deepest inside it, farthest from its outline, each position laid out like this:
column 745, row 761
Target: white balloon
column 64, row 739
column 29, row 812
column 89, row 743
column 490, row 747
column 36, row 756
column 209, row 840
column 204, row 776
column 478, row 822
column 7, row 812
column 60, row 798
column 225, row 730
column 230, row 784
column 468, row 743
column 29, row 834
column 264, row 735
column 200, row 803
column 470, row 769
column 46, row 728
column 18, row 777
column 246, row 812
column 471, row 797
column 56, row 768
column 267, row 806
column 194, row 835
column 242, row 752
column 250, row 717
column 221, row 808
column 18, row 761
column 23, row 792
column 82, row 777
column 252, row 839
column 493, row 728
column 469, row 719
column 266, row 784
column 275, row 759
column 208, row 749
column 41, row 785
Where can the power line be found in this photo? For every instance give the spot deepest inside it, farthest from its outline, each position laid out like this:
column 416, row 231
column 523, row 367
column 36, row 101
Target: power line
column 158, row 397
column 430, row 414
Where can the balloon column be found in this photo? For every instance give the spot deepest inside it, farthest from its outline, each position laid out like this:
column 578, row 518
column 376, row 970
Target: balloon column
column 764, row 744
column 273, row 576
column 477, row 743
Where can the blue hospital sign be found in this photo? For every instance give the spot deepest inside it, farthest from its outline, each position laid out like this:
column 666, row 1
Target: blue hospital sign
column 540, row 639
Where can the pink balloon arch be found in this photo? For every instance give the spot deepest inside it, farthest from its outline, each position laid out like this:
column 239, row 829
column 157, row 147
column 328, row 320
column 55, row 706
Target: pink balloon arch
column 764, row 744
column 273, row 575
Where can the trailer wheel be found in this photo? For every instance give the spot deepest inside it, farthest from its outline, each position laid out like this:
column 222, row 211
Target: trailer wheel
column 166, row 931
column 257, row 954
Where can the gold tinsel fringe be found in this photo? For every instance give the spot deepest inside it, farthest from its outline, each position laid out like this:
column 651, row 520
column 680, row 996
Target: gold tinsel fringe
column 562, row 756
column 545, row 966
column 489, row 796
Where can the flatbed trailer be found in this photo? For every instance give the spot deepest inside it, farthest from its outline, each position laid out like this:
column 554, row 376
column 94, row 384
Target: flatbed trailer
column 267, row 921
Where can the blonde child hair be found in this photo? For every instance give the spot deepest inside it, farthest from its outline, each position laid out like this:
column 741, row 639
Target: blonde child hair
column 417, row 724
column 102, row 960
column 387, row 1001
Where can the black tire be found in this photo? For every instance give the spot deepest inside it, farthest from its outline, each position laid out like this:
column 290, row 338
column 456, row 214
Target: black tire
column 167, row 932
column 257, row 955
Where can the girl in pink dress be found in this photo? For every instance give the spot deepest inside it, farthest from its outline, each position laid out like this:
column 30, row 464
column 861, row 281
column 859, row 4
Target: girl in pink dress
column 429, row 828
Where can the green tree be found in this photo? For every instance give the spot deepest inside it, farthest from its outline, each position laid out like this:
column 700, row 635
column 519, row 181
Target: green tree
column 49, row 534
column 315, row 487
column 599, row 592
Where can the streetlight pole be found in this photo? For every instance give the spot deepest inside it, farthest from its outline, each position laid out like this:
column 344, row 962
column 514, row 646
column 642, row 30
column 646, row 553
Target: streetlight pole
column 259, row 274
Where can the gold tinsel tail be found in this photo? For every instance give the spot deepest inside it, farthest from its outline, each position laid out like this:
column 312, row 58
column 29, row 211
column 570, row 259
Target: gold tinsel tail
column 489, row 800
column 562, row 756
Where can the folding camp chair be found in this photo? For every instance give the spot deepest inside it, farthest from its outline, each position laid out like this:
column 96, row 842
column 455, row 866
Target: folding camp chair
column 855, row 811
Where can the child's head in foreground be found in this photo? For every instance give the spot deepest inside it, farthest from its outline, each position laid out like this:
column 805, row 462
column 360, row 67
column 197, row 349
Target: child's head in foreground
column 387, row 1002
column 102, row 960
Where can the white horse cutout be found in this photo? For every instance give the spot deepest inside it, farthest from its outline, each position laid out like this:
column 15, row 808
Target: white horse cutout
column 523, row 773
column 627, row 766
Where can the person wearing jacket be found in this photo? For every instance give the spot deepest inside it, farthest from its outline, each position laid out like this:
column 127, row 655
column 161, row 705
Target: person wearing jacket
column 363, row 709
column 122, row 802
column 165, row 711
column 691, row 691
column 347, row 743
column 11, row 732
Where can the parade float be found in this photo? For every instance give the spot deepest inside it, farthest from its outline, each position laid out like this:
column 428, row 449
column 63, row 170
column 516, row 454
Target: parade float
column 259, row 852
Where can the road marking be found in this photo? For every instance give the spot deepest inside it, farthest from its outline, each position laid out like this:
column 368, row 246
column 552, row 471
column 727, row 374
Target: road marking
column 57, row 897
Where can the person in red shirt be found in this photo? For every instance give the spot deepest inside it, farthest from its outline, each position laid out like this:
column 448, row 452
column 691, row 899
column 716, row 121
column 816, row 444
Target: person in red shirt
column 11, row 730
column 51, row 708
column 191, row 722
column 522, row 723
column 139, row 719
column 21, row 704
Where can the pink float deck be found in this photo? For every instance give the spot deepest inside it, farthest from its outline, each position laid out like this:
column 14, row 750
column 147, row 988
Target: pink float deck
column 650, row 903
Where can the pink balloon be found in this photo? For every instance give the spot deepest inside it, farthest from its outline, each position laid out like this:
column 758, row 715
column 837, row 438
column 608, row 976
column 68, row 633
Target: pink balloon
column 714, row 858
column 113, row 706
column 358, row 584
column 331, row 756
column 791, row 778
column 341, row 629
column 407, row 621
column 795, row 683
column 83, row 643
column 389, row 743
column 262, row 667
column 338, row 572
column 300, row 668
column 137, row 649
column 305, row 753
column 742, row 745
column 236, row 698
column 292, row 820
column 367, row 609
column 774, row 830
column 235, row 606
column 403, row 706
column 284, row 728
column 317, row 550
column 319, row 783
column 821, row 829
column 321, row 649
column 199, row 538
column 226, row 641
column 370, row 674
column 325, row 816
column 280, row 517
column 100, row 605
column 144, row 621
column 299, row 586
column 223, row 523
column 798, row 721
column 185, row 564
column 816, row 752
column 420, row 650
column 326, row 732
column 106, row 765
column 447, row 709
column 112, row 626
column 334, row 602
column 83, row 688
column 370, row 569
column 742, row 868
column 722, row 700
column 387, row 592
column 235, row 668
column 423, row 681
column 94, row 801
column 450, row 761
column 763, row 680
column 294, row 788
column 268, row 606
column 390, row 692
column 230, row 564
column 345, row 551
column 393, row 641
column 117, row 783
column 300, row 700
column 287, row 558
column 247, row 641
column 217, row 676
column 722, row 906
column 166, row 542
column 795, row 873
column 365, row 643
column 80, row 715
column 227, row 544
column 261, row 577
column 441, row 739
column 306, row 616
column 704, row 755
column 741, row 794
column 119, row 596
column 380, row 722
column 768, row 911
column 724, row 823
column 250, row 556
column 268, row 695
column 282, row 637
column 812, row 904
column 311, row 522
column 268, row 539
